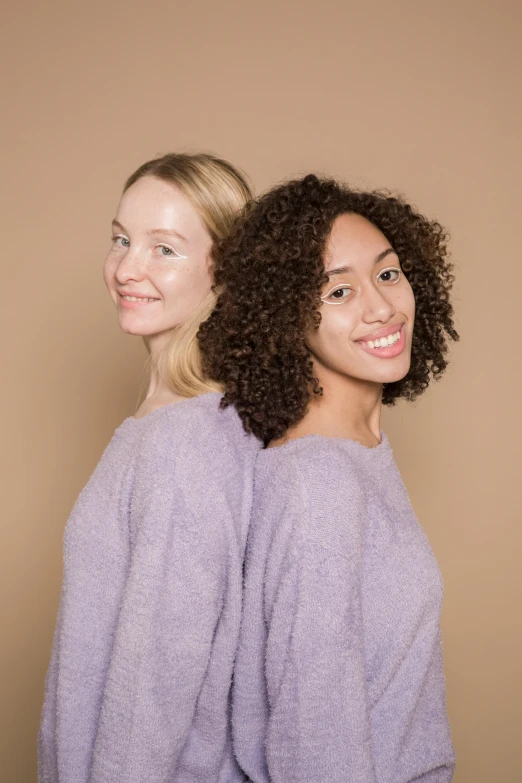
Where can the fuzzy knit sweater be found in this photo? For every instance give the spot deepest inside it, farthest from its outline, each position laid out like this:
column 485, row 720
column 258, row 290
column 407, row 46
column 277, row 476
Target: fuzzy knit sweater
column 138, row 687
column 339, row 676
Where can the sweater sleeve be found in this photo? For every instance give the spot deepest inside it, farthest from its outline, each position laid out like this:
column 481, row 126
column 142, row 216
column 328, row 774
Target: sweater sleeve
column 96, row 557
column 171, row 606
column 319, row 724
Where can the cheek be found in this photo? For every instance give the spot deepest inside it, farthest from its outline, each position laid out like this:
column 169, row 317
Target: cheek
column 405, row 301
column 335, row 329
column 182, row 283
column 109, row 268
column 412, row 305
column 339, row 321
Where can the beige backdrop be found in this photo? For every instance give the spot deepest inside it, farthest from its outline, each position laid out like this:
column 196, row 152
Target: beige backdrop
column 421, row 97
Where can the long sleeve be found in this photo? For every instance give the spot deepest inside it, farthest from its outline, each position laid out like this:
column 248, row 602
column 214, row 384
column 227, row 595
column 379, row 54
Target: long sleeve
column 165, row 710
column 314, row 656
column 172, row 602
column 138, row 688
column 305, row 581
column 339, row 674
column 96, row 558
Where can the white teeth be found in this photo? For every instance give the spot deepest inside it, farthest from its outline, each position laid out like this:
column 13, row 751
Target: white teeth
column 384, row 342
column 137, row 299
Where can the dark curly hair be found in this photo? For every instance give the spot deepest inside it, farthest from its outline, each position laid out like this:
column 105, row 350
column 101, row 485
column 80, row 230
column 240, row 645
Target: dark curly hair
column 269, row 275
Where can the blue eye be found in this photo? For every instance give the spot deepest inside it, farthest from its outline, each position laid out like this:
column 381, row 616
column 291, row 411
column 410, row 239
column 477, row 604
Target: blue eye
column 168, row 252
column 390, row 275
column 120, row 240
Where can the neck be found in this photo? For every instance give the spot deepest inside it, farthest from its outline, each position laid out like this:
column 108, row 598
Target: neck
column 155, row 344
column 159, row 392
column 349, row 408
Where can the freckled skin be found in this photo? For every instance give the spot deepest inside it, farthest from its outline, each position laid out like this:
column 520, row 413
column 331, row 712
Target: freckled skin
column 372, row 304
column 176, row 272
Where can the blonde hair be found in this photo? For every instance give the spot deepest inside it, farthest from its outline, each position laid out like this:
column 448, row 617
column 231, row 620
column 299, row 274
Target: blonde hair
column 219, row 192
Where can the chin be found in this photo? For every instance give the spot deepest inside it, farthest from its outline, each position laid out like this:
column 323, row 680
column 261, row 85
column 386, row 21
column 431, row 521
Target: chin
column 388, row 373
column 392, row 375
column 135, row 329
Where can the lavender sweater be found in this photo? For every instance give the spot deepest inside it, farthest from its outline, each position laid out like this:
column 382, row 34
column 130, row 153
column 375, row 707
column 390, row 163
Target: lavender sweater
column 138, row 685
column 338, row 675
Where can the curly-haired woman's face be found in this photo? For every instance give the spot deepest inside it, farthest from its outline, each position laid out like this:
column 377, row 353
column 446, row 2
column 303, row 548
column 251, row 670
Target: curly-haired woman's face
column 158, row 269
column 368, row 308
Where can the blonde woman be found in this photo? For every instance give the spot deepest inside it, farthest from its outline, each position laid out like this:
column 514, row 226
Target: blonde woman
column 140, row 673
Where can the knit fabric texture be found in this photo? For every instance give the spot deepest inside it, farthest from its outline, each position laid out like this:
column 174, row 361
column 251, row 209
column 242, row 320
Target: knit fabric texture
column 338, row 675
column 138, row 687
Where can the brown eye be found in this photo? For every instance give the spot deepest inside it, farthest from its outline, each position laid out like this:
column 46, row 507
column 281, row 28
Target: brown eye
column 337, row 295
column 391, row 275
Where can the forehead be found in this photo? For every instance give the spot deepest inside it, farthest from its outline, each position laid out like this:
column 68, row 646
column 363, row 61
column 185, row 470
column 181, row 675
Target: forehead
column 353, row 240
column 153, row 203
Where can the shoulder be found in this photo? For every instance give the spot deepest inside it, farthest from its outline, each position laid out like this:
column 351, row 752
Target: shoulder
column 202, row 416
column 196, row 425
column 312, row 489
column 117, row 457
column 197, row 455
column 318, row 465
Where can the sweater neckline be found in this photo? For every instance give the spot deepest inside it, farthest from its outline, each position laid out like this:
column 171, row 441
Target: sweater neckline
column 346, row 442
column 137, row 421
column 380, row 454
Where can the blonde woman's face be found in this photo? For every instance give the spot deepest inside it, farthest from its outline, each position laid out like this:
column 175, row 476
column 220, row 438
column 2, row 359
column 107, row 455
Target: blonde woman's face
column 159, row 266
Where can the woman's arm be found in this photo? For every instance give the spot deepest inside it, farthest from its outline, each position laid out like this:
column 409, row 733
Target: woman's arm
column 133, row 693
column 171, row 607
column 96, row 561
column 183, row 516
column 319, row 724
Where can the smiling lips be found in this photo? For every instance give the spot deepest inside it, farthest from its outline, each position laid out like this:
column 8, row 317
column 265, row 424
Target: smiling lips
column 131, row 302
column 386, row 343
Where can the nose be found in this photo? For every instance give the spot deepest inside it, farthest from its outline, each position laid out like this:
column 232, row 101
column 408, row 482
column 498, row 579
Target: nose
column 130, row 267
column 376, row 306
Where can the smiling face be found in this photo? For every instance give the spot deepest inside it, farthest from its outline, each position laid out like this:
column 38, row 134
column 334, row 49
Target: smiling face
column 159, row 267
column 368, row 308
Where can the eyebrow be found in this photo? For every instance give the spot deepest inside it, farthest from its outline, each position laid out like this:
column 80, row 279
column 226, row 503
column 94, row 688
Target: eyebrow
column 341, row 270
column 154, row 232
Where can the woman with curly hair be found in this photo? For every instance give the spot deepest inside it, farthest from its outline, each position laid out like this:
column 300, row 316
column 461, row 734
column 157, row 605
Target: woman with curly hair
column 333, row 302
